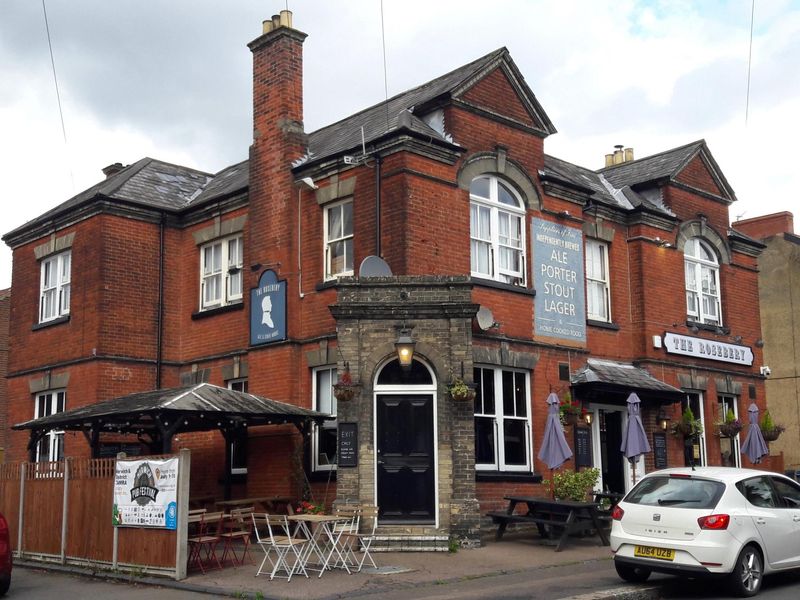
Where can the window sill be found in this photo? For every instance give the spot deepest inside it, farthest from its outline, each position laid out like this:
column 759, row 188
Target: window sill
column 602, row 324
column 477, row 281
column 210, row 312
column 326, row 285
column 51, row 323
column 706, row 327
column 513, row 476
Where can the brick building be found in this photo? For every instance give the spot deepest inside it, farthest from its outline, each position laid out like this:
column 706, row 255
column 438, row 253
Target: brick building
column 517, row 272
column 779, row 294
column 5, row 306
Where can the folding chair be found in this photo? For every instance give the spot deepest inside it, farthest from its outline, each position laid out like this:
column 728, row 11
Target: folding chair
column 203, row 545
column 358, row 540
column 351, row 515
column 272, row 535
column 241, row 529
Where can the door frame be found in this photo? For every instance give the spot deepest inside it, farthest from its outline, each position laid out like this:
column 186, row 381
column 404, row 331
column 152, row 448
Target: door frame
column 407, row 390
column 597, row 455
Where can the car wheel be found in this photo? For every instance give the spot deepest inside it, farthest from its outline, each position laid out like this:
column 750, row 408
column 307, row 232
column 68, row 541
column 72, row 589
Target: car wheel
column 745, row 579
column 632, row 574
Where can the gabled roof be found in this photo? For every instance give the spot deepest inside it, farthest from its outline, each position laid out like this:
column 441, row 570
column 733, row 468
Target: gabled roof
column 404, row 110
column 666, row 165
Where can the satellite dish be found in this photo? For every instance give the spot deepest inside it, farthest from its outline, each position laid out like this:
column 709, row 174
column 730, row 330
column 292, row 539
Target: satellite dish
column 374, row 266
column 485, row 318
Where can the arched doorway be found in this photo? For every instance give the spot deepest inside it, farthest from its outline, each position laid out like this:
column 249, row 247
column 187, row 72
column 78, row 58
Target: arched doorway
column 405, row 444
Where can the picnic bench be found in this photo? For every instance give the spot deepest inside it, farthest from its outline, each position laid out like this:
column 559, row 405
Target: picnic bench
column 564, row 516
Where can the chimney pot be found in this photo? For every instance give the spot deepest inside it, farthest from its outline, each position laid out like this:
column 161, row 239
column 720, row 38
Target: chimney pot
column 266, row 26
column 628, row 154
column 276, row 21
column 619, row 157
column 609, row 160
column 286, row 18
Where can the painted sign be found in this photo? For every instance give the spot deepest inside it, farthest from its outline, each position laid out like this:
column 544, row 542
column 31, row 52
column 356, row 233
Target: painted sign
column 347, row 452
column 709, row 349
column 146, row 493
column 558, row 278
column 268, row 310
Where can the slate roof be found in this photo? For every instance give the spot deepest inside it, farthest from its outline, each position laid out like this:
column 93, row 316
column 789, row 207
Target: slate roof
column 598, row 372
column 204, row 401
column 379, row 119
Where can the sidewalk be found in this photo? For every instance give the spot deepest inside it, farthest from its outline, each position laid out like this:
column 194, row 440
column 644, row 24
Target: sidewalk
column 399, row 570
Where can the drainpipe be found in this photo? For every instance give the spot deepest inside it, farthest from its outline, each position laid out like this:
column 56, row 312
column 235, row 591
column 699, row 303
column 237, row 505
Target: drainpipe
column 160, row 326
column 377, row 205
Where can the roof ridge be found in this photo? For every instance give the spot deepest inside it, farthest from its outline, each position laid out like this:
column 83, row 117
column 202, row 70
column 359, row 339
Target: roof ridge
column 700, row 142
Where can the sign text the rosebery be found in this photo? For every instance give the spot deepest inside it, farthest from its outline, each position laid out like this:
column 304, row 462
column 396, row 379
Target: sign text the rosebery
column 691, row 346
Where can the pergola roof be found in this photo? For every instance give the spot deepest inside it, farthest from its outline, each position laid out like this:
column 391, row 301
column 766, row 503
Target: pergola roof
column 199, row 407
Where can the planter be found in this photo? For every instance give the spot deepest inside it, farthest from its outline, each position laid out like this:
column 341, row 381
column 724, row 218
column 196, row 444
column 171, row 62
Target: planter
column 571, row 418
column 345, row 392
column 770, row 435
column 729, row 430
column 461, row 396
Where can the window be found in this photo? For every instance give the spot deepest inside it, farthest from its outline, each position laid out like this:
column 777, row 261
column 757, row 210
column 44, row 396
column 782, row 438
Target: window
column 239, row 442
column 339, row 239
column 758, row 492
column 51, row 446
column 695, row 454
column 55, row 280
column 502, row 427
column 702, row 282
column 324, row 439
column 221, row 273
column 598, row 296
column 497, row 231
column 728, row 446
column 789, row 492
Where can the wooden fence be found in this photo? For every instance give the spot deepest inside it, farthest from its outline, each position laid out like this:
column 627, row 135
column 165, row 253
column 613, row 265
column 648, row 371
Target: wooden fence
column 61, row 512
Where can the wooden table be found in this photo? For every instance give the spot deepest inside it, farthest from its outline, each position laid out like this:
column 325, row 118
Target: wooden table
column 566, row 516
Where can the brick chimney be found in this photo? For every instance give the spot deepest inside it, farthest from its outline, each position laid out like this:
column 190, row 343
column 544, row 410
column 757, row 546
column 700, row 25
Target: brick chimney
column 278, row 141
column 766, row 225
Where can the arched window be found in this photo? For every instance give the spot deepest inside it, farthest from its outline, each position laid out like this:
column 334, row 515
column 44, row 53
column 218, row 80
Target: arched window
column 702, row 282
column 497, row 231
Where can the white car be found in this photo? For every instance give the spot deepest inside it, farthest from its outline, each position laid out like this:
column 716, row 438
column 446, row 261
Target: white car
column 708, row 521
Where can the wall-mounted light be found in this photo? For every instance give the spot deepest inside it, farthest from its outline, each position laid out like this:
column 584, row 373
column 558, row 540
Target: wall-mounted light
column 405, row 348
column 662, row 243
column 588, row 417
column 663, row 418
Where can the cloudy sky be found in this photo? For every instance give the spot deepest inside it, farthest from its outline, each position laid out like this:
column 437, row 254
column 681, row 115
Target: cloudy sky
column 171, row 79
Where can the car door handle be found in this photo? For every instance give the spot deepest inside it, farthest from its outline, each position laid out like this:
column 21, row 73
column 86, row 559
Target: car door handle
column 796, row 518
column 761, row 521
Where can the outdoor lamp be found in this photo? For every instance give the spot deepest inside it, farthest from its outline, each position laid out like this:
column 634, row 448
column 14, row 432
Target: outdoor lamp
column 405, row 348
column 663, row 418
column 588, row 417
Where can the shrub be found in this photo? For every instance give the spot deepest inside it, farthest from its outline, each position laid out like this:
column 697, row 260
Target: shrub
column 574, row 485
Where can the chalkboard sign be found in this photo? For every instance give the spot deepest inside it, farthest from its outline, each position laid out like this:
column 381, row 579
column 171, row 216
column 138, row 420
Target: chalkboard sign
column 583, row 447
column 347, row 450
column 660, row 449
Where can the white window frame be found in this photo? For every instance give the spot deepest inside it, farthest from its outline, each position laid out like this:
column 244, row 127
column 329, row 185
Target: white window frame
column 329, row 408
column 725, row 402
column 48, row 403
column 225, row 273
column 343, row 237
column 498, row 417
column 491, row 241
column 701, row 302
column 238, row 385
column 698, row 414
column 598, row 278
column 54, row 288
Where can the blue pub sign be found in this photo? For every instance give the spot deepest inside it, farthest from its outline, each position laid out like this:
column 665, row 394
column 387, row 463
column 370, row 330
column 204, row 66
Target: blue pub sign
column 560, row 305
column 268, row 310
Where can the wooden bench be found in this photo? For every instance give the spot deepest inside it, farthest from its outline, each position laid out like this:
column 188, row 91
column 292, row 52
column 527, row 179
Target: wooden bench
column 502, row 520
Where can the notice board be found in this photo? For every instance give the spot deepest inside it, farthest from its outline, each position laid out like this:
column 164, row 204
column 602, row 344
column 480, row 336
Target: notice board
column 660, row 449
column 347, row 450
column 583, row 447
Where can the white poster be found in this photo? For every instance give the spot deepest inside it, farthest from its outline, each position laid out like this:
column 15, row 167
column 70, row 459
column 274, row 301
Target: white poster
column 146, row 493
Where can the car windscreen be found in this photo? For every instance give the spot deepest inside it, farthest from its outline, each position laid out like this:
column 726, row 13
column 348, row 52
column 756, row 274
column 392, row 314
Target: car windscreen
column 680, row 492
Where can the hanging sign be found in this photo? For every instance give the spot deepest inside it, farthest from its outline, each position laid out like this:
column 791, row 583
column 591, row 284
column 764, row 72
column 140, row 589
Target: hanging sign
column 268, row 310
column 560, row 304
column 710, row 349
column 146, row 493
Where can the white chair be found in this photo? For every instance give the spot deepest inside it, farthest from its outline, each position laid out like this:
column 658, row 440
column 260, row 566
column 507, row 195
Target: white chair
column 273, row 536
column 353, row 541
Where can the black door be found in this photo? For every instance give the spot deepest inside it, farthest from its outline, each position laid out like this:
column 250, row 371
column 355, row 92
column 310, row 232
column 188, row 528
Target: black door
column 406, row 482
column 613, row 459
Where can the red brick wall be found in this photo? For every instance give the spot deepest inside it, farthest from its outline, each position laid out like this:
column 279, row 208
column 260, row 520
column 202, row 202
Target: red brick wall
column 496, row 93
column 5, row 309
column 697, row 175
column 766, row 225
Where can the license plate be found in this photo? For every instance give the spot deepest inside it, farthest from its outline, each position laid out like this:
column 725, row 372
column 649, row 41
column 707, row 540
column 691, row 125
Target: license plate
column 652, row 552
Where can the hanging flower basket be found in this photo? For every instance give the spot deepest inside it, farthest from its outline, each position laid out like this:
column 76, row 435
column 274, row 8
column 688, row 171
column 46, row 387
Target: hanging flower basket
column 687, row 426
column 729, row 429
column 345, row 390
column 460, row 391
column 770, row 435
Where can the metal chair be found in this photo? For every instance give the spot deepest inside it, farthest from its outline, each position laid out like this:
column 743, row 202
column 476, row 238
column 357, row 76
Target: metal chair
column 241, row 530
column 361, row 539
column 203, row 544
column 273, row 535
